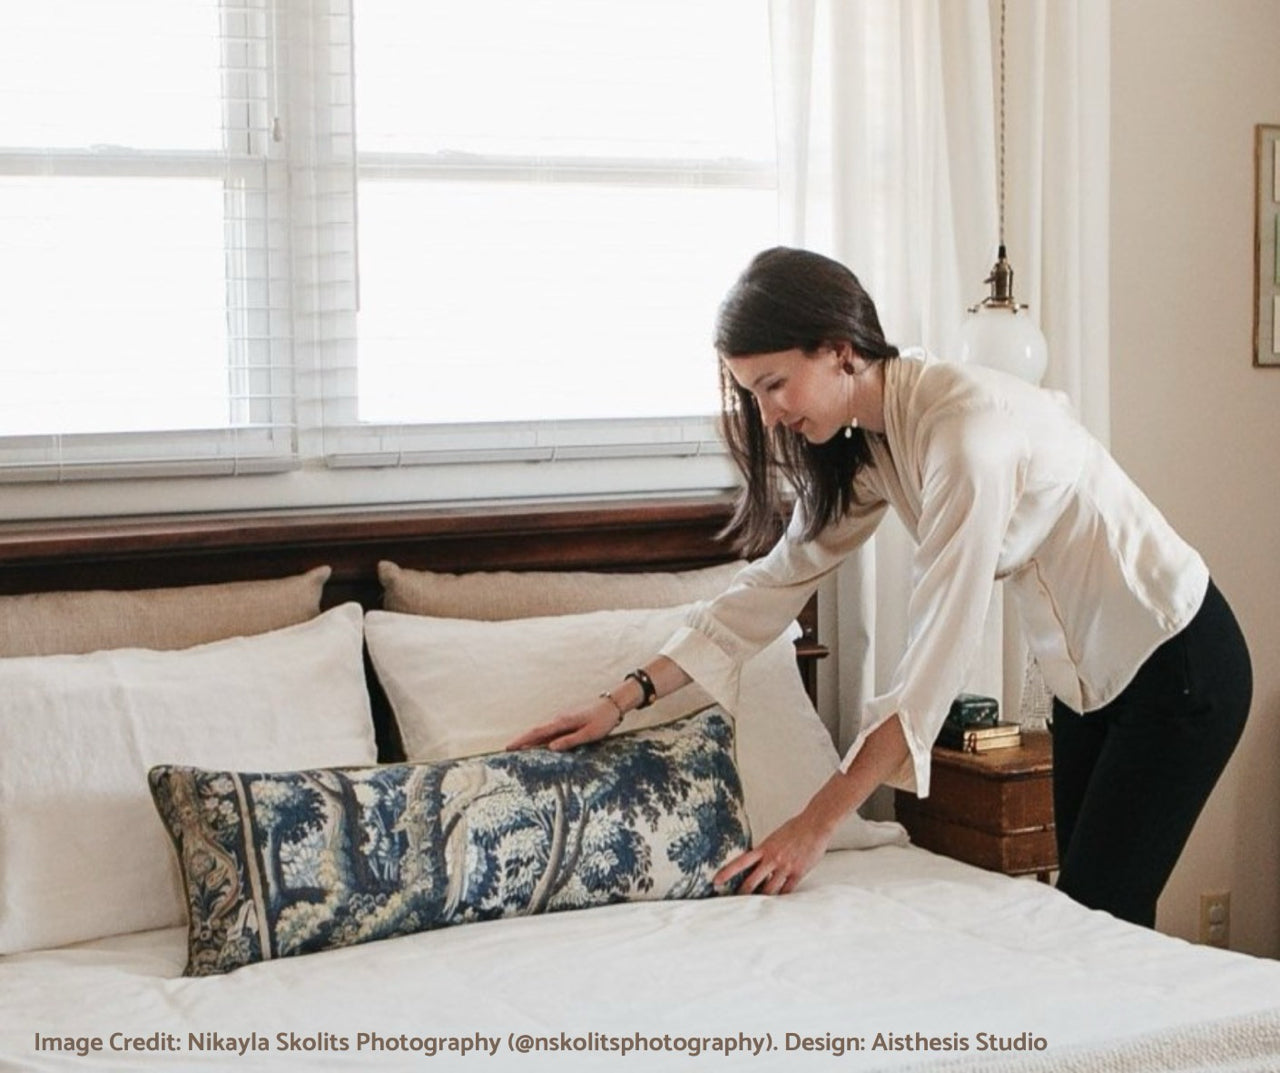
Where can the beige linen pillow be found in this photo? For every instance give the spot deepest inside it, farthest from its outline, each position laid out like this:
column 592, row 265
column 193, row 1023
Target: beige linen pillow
column 504, row 594
column 82, row 852
column 50, row 623
column 462, row 688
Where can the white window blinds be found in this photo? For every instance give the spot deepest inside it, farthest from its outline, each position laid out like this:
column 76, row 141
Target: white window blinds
column 552, row 199
column 144, row 221
column 251, row 235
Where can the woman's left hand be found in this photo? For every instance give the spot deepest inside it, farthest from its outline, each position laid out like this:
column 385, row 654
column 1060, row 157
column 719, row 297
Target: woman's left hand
column 781, row 860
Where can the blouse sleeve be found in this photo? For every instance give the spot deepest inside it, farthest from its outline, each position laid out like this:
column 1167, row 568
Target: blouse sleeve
column 974, row 466
column 764, row 599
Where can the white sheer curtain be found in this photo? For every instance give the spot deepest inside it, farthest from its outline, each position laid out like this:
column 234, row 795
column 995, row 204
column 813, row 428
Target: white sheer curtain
column 887, row 113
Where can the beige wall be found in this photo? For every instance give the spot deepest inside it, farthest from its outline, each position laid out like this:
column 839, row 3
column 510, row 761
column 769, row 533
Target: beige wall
column 1192, row 420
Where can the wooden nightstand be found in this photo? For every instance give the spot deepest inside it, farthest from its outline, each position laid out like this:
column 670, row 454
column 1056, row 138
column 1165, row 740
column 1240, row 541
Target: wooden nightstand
column 992, row 809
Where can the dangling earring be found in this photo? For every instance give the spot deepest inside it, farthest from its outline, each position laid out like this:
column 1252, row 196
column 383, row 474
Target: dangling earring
column 853, row 421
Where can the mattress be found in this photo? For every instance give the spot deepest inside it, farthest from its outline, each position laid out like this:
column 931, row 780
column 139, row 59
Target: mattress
column 892, row 958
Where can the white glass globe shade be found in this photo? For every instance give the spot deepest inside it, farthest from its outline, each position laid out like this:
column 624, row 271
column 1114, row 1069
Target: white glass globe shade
column 1000, row 337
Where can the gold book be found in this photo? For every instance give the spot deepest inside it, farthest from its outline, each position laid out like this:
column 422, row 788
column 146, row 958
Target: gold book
column 980, row 739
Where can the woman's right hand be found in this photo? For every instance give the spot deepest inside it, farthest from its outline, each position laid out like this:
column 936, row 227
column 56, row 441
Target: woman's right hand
column 577, row 726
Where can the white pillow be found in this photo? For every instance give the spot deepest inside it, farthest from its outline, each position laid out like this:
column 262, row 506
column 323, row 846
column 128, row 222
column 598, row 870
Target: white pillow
column 461, row 688
column 82, row 852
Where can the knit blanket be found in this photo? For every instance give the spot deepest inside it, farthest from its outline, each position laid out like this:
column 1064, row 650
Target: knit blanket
column 1249, row 1043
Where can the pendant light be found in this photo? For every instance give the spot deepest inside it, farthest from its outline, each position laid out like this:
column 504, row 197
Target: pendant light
column 998, row 332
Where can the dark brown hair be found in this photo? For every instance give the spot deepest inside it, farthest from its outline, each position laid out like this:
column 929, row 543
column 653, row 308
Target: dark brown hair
column 787, row 299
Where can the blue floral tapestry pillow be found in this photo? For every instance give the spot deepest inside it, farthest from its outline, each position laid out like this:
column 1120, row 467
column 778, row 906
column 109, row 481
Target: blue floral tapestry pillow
column 289, row 863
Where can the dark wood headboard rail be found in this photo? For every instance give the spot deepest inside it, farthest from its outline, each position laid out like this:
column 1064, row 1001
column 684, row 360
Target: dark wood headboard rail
column 651, row 534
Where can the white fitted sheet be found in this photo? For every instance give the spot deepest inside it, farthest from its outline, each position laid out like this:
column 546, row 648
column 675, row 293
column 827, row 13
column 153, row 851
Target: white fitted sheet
column 894, row 941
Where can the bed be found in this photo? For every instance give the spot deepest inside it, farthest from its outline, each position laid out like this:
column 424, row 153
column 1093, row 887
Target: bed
column 352, row 640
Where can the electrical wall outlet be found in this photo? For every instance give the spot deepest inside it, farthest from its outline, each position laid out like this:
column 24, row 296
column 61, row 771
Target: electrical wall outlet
column 1215, row 919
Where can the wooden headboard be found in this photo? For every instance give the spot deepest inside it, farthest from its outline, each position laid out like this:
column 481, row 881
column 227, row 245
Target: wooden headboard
column 616, row 535
column 657, row 534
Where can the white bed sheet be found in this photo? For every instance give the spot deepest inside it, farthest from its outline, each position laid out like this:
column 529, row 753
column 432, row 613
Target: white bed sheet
column 893, row 941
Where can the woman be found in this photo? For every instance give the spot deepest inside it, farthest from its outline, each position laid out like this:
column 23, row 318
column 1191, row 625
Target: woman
column 994, row 479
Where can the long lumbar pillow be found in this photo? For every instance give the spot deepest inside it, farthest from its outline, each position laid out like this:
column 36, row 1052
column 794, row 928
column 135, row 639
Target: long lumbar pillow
column 290, row 863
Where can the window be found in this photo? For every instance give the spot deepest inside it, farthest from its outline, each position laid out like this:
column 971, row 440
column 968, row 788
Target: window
column 247, row 235
column 552, row 199
column 140, row 325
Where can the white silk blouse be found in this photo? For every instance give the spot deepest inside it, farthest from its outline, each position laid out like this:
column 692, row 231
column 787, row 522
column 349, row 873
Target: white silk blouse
column 995, row 480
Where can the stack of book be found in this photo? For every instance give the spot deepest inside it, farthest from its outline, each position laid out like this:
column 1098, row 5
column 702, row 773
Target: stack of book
column 973, row 725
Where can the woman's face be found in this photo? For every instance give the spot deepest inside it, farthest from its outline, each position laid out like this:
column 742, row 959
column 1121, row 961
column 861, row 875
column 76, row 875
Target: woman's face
column 811, row 393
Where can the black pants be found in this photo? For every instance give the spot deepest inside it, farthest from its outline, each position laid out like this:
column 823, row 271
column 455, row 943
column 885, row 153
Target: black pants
column 1130, row 778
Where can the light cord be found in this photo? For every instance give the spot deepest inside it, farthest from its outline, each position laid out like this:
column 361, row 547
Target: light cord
column 1000, row 178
